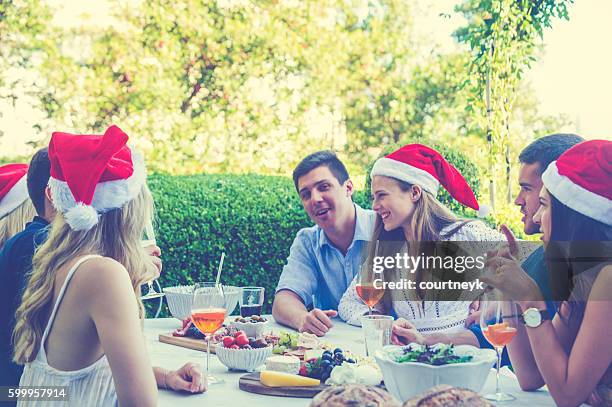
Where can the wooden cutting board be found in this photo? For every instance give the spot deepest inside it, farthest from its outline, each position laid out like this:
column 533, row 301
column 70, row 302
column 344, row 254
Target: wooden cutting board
column 250, row 383
column 184, row 342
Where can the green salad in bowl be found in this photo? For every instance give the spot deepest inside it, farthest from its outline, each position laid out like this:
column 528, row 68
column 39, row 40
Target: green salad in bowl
column 410, row 370
column 437, row 355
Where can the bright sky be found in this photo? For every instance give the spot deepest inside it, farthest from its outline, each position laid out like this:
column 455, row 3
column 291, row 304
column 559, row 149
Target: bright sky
column 573, row 74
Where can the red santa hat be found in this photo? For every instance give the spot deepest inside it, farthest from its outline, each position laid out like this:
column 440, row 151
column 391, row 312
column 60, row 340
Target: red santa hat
column 582, row 179
column 92, row 174
column 424, row 166
column 13, row 187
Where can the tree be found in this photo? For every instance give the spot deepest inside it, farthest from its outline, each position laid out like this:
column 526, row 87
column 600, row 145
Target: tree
column 24, row 33
column 503, row 35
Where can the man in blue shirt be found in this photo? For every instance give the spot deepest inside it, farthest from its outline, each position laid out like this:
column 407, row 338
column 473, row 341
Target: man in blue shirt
column 16, row 262
column 324, row 258
column 534, row 159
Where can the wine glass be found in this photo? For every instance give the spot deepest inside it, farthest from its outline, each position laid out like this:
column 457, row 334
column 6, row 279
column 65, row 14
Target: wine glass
column 207, row 314
column 149, row 240
column 498, row 321
column 370, row 288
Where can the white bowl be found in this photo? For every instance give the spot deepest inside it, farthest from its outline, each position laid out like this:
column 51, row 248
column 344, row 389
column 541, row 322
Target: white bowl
column 243, row 359
column 180, row 298
column 251, row 329
column 408, row 379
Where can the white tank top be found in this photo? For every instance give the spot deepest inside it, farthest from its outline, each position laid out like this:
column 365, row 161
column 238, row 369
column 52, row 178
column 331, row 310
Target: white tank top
column 90, row 386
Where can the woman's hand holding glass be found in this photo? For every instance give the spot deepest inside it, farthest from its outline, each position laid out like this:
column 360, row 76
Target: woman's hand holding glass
column 498, row 321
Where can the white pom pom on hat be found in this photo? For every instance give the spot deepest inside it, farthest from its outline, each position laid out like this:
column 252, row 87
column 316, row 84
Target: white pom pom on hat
column 92, row 174
column 81, row 216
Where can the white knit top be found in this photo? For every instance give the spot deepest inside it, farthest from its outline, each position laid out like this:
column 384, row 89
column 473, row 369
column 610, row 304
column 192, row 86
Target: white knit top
column 90, row 386
column 428, row 316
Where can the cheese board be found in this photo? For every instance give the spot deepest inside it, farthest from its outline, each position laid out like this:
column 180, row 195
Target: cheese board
column 186, row 342
column 250, row 383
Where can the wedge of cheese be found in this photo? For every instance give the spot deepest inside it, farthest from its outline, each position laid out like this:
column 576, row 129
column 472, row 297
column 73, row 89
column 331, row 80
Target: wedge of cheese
column 285, row 364
column 279, row 379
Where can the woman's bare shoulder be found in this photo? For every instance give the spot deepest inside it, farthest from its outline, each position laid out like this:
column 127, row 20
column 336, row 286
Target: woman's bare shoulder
column 102, row 276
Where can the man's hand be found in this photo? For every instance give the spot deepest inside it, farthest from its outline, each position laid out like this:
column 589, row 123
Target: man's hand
column 187, row 378
column 317, row 322
column 404, row 333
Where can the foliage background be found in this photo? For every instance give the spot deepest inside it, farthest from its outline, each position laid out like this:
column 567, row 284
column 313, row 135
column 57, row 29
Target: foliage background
column 241, row 86
column 252, row 218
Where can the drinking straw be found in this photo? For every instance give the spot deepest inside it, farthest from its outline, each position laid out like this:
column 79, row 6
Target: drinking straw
column 219, row 270
column 149, row 231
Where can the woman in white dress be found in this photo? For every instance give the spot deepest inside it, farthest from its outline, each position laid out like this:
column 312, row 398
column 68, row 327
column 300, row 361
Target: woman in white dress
column 404, row 188
column 80, row 321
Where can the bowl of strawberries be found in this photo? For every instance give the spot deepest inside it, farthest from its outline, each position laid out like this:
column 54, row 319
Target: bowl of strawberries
column 239, row 352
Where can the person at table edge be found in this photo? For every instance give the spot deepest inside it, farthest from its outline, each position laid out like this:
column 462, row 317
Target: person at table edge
column 534, row 159
column 323, row 258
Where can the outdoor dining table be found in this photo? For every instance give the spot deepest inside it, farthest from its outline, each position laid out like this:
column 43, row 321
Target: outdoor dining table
column 228, row 394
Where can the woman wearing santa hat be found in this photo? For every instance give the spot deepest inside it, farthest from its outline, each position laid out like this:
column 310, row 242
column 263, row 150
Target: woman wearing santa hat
column 404, row 188
column 572, row 353
column 16, row 209
column 80, row 321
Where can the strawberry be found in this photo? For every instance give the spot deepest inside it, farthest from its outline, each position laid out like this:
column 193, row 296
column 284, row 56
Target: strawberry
column 304, row 370
column 228, row 341
column 239, row 333
column 241, row 340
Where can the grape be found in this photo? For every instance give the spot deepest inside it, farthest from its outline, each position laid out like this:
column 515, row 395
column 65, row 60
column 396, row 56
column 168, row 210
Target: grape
column 195, row 332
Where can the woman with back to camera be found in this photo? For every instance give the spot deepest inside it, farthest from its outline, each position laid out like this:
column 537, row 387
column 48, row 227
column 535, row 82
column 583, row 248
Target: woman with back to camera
column 572, row 354
column 16, row 209
column 80, row 321
column 404, row 188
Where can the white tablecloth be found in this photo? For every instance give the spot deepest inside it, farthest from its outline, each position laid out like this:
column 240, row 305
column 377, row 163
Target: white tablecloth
column 228, row 394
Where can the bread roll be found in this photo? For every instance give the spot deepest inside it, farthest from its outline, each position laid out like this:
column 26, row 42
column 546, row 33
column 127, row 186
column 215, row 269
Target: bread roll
column 354, row 395
column 447, row 396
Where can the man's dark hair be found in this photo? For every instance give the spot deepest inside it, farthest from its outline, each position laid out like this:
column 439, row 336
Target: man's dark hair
column 548, row 148
column 321, row 158
column 38, row 178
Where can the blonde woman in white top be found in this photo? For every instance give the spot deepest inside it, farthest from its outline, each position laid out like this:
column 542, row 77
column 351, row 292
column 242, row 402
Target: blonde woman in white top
column 404, row 188
column 80, row 321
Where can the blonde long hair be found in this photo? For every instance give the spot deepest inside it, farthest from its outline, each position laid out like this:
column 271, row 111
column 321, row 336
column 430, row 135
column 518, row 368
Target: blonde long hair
column 118, row 235
column 15, row 221
column 427, row 221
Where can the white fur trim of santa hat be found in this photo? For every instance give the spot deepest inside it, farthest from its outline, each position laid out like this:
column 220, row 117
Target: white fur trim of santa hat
column 15, row 197
column 108, row 195
column 404, row 172
column 576, row 197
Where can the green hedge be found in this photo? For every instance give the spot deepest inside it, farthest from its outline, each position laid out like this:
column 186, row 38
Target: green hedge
column 252, row 218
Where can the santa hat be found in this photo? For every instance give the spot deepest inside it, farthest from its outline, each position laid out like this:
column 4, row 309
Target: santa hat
column 581, row 179
column 424, row 166
column 13, row 187
column 92, row 174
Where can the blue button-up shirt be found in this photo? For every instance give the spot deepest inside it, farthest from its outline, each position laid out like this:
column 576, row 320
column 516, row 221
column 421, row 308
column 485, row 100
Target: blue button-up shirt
column 316, row 268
